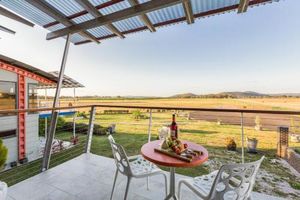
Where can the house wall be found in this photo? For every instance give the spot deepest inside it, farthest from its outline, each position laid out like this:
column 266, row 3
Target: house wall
column 32, row 129
column 11, row 122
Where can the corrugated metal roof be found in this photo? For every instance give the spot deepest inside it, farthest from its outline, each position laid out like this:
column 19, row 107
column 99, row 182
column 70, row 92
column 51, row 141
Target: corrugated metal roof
column 166, row 14
column 67, row 82
column 52, row 76
column 76, row 14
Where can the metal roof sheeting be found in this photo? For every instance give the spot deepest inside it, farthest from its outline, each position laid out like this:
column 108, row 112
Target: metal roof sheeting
column 206, row 5
column 67, row 82
column 166, row 14
column 52, row 76
column 158, row 18
column 28, row 11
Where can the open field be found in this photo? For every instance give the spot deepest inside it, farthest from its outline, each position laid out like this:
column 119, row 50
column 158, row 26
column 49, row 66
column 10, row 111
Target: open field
column 245, row 103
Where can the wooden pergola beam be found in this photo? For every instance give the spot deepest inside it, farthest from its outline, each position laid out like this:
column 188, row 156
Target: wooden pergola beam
column 113, row 17
column 144, row 18
column 93, row 11
column 15, row 17
column 7, row 30
column 47, row 8
column 243, row 6
column 187, row 7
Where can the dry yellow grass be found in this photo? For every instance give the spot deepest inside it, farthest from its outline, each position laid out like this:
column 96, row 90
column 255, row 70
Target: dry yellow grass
column 247, row 103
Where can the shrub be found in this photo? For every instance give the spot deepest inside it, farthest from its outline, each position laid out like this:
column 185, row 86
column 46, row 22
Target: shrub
column 230, row 144
column 137, row 114
column 83, row 128
column 3, row 154
column 59, row 126
column 83, row 115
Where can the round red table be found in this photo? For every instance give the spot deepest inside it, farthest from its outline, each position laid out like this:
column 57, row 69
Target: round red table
column 164, row 160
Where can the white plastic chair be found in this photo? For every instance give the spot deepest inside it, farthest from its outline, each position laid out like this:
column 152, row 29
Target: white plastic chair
column 163, row 132
column 232, row 181
column 132, row 167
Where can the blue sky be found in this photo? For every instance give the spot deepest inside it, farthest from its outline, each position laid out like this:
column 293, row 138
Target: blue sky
column 257, row 51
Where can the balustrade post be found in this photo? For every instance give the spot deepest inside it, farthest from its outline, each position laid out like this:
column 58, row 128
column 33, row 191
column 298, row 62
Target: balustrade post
column 283, row 141
column 242, row 136
column 150, row 125
column 149, row 138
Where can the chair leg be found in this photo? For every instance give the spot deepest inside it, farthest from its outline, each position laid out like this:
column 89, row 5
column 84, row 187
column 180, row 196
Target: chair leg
column 179, row 189
column 148, row 179
column 127, row 187
column 112, row 192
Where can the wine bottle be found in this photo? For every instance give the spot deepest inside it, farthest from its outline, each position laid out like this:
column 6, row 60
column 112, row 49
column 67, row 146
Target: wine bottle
column 173, row 128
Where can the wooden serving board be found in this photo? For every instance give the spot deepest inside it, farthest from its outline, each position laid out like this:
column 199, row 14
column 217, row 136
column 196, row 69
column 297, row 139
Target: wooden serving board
column 174, row 155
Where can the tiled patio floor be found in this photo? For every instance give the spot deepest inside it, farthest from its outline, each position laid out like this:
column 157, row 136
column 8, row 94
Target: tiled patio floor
column 90, row 177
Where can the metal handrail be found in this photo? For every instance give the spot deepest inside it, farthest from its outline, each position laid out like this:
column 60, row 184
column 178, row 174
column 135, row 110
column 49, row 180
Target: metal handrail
column 283, row 112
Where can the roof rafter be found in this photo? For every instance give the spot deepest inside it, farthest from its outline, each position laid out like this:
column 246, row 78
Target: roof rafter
column 57, row 15
column 15, row 17
column 7, row 30
column 144, row 18
column 113, row 17
column 93, row 11
column 187, row 6
column 243, row 6
column 181, row 19
column 75, row 15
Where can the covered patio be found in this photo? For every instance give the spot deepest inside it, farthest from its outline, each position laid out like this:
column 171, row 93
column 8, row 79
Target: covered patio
column 89, row 176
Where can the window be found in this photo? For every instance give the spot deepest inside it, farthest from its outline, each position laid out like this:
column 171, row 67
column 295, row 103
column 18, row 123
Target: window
column 8, row 134
column 32, row 96
column 7, row 95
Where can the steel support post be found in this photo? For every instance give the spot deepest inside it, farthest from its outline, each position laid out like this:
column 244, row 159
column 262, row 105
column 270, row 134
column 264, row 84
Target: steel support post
column 242, row 137
column 172, row 192
column 90, row 130
column 149, row 140
column 150, row 126
column 51, row 132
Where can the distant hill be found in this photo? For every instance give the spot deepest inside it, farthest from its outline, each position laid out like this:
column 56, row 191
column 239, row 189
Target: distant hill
column 246, row 94
column 286, row 95
column 243, row 94
column 185, row 95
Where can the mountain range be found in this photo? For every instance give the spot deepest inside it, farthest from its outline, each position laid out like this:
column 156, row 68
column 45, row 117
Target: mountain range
column 246, row 94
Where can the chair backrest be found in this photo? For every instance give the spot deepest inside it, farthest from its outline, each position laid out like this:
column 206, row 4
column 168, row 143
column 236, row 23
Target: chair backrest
column 163, row 132
column 120, row 157
column 235, row 181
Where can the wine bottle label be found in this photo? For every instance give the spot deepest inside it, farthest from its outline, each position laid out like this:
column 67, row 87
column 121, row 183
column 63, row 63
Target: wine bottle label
column 173, row 133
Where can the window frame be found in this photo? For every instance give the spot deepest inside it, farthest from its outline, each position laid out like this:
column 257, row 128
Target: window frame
column 16, row 96
column 9, row 136
column 28, row 97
